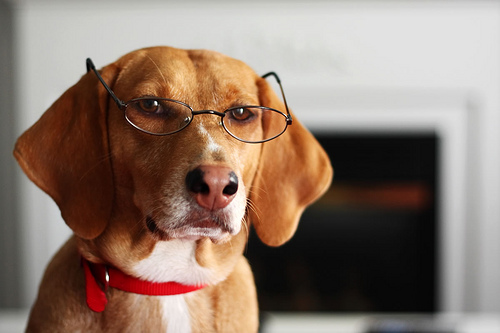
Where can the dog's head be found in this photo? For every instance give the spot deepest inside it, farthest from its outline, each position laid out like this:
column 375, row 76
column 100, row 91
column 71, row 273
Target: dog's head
column 108, row 176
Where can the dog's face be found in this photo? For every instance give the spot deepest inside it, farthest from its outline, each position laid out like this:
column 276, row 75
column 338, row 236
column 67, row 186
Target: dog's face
column 123, row 191
column 165, row 173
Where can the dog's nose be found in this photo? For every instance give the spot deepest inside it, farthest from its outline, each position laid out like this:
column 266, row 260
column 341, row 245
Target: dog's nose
column 213, row 187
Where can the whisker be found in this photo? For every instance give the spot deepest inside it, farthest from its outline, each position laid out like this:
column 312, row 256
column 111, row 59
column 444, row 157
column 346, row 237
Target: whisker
column 158, row 68
column 102, row 160
column 251, row 206
column 247, row 231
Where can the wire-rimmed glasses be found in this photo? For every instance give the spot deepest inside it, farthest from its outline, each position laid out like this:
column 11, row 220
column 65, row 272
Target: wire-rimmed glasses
column 164, row 116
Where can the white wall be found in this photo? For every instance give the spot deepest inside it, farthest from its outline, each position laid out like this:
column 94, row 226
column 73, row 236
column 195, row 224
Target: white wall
column 377, row 53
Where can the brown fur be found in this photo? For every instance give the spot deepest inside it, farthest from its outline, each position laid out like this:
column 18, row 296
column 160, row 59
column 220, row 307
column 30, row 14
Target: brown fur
column 105, row 176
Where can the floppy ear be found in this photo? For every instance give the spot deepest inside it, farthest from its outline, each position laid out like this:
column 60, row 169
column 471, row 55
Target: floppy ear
column 294, row 171
column 66, row 154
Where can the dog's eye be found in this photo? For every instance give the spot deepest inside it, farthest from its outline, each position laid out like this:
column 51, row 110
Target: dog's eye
column 242, row 114
column 150, row 105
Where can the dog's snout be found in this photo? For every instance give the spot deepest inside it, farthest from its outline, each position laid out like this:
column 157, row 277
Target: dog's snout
column 213, row 187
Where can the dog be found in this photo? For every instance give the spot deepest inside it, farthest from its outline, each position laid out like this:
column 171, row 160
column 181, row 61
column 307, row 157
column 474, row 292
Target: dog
column 160, row 192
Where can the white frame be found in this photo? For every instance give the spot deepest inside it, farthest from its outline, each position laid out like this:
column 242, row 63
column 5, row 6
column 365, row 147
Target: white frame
column 446, row 115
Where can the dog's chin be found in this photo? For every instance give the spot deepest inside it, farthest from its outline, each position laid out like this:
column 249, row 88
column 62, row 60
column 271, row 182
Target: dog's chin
column 193, row 231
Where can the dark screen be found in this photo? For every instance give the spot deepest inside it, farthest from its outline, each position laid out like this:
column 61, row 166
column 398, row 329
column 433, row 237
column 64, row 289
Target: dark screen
column 368, row 245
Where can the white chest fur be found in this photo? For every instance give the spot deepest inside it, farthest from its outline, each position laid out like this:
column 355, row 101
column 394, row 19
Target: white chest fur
column 173, row 261
column 176, row 314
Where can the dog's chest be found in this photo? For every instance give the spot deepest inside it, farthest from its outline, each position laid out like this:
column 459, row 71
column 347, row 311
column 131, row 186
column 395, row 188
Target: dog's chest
column 174, row 261
column 175, row 313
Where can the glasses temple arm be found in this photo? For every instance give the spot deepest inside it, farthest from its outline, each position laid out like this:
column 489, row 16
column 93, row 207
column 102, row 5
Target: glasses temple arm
column 289, row 116
column 91, row 67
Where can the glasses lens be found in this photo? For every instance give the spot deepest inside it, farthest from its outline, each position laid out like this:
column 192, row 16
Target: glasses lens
column 254, row 124
column 158, row 116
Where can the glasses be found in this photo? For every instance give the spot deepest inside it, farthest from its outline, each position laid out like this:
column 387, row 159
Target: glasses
column 165, row 116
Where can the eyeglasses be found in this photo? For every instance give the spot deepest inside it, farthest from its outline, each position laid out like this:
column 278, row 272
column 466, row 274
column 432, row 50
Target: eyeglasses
column 165, row 116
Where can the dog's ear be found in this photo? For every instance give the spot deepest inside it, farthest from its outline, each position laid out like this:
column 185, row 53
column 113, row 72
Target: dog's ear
column 294, row 171
column 66, row 154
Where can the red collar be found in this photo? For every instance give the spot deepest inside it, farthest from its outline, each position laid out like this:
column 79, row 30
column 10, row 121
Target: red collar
column 112, row 277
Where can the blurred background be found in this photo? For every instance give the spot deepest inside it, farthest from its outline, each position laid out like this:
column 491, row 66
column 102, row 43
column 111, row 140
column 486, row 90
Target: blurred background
column 405, row 97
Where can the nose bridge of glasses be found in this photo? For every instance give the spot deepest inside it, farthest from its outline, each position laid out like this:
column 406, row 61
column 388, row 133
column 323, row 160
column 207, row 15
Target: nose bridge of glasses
column 214, row 112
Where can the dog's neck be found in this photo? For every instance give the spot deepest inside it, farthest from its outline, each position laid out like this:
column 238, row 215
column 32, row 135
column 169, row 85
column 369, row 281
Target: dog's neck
column 100, row 277
column 188, row 263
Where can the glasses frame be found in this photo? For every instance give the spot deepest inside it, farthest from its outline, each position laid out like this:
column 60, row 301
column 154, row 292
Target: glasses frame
column 123, row 106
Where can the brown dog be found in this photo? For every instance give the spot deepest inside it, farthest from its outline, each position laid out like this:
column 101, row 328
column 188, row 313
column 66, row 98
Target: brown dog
column 161, row 210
